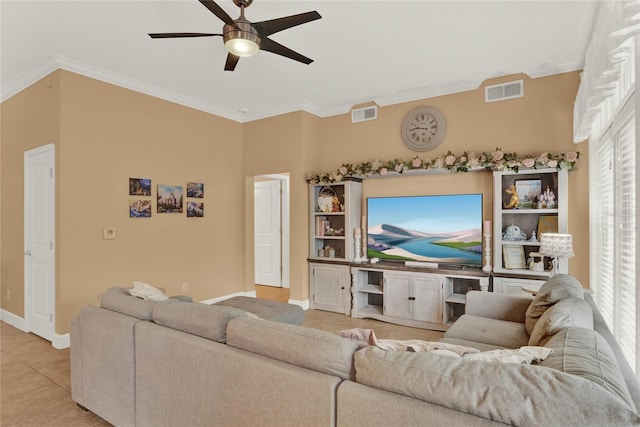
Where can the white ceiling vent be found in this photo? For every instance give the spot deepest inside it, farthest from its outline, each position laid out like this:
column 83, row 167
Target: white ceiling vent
column 504, row 91
column 364, row 114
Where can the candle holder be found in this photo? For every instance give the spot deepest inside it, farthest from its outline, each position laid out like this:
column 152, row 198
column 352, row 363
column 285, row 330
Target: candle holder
column 357, row 242
column 487, row 253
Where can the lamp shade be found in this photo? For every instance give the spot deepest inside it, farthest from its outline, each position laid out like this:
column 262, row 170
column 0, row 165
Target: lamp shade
column 556, row 245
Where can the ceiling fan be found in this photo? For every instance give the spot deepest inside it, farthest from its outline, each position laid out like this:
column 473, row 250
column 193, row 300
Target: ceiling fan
column 243, row 38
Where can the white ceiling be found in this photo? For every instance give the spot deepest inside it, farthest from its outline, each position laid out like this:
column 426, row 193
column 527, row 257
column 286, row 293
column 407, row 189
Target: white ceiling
column 385, row 51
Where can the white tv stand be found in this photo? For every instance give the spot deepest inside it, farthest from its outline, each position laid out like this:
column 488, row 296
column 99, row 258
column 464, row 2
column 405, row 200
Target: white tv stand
column 412, row 296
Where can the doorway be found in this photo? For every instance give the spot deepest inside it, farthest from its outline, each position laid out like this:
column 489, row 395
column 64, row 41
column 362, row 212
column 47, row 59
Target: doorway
column 271, row 230
column 39, row 243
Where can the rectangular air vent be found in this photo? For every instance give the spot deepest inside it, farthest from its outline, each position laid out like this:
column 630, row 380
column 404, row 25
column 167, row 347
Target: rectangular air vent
column 504, row 91
column 364, row 114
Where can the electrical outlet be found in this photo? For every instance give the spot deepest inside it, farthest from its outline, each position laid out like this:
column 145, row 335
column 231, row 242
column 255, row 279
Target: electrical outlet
column 185, row 287
column 8, row 294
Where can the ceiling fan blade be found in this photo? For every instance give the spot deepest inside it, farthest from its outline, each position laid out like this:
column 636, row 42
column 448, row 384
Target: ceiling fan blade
column 274, row 47
column 266, row 28
column 231, row 63
column 218, row 11
column 175, row 35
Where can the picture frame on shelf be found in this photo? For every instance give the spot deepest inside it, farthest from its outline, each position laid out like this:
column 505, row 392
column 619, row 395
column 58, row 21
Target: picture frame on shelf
column 547, row 224
column 528, row 191
column 513, row 256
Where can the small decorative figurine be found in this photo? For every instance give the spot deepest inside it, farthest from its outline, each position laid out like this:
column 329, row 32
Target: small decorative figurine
column 335, row 205
column 513, row 234
column 515, row 199
column 533, row 237
column 547, row 199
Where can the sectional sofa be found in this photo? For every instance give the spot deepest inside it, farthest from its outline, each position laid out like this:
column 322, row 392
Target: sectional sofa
column 175, row 363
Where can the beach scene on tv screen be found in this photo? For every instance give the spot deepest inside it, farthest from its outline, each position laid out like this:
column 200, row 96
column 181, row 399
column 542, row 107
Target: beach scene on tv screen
column 442, row 229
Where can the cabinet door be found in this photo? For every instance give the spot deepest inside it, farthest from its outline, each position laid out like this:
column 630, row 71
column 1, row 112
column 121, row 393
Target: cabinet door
column 397, row 294
column 330, row 288
column 427, row 305
column 514, row 286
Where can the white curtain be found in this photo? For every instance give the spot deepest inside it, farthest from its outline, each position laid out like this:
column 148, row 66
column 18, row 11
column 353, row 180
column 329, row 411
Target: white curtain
column 617, row 22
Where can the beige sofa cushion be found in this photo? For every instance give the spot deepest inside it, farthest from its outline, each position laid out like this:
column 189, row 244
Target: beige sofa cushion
column 203, row 320
column 515, row 394
column 558, row 287
column 120, row 300
column 313, row 349
column 567, row 312
column 585, row 353
column 499, row 333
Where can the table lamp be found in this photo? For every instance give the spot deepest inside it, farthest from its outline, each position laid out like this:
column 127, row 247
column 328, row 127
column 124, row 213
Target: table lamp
column 556, row 245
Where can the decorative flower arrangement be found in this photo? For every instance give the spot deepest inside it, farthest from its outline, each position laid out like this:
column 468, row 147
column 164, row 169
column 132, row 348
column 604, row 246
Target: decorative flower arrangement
column 496, row 160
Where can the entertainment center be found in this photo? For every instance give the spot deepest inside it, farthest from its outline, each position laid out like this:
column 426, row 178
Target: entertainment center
column 411, row 259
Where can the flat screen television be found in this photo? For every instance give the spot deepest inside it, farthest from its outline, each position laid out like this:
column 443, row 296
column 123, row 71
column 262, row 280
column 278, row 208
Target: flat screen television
column 442, row 229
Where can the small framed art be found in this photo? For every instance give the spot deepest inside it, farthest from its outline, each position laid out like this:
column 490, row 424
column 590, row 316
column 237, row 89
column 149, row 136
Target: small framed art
column 513, row 256
column 528, row 190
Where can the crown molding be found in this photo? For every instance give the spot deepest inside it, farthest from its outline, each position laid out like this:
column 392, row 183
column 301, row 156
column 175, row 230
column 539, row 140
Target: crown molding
column 38, row 72
column 56, row 62
column 74, row 66
column 546, row 71
column 426, row 92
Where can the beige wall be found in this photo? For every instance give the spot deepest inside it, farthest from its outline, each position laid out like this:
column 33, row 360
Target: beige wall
column 105, row 134
column 540, row 121
column 28, row 121
column 284, row 144
column 108, row 134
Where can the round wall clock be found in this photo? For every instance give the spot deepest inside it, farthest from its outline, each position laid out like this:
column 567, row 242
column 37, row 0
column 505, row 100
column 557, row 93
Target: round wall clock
column 423, row 128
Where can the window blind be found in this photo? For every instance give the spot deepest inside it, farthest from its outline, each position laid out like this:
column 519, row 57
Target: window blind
column 626, row 221
column 613, row 192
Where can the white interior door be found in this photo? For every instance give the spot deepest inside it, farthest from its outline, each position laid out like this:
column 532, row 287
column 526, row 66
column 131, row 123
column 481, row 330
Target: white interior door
column 39, row 233
column 267, row 233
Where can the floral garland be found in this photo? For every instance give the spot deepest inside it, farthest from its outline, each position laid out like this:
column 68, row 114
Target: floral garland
column 468, row 161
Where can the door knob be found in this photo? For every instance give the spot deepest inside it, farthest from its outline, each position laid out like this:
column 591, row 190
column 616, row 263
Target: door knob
column 27, row 252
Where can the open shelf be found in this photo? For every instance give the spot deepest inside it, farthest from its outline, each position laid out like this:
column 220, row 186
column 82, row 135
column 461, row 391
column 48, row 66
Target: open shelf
column 371, row 289
column 456, row 298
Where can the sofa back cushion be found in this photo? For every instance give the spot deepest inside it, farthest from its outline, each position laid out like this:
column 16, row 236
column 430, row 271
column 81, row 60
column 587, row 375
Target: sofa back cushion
column 558, row 287
column 567, row 312
column 309, row 348
column 203, row 320
column 513, row 394
column 585, row 353
column 120, row 300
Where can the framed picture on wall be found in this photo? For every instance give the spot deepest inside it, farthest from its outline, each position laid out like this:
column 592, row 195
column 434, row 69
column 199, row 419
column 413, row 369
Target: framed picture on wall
column 170, row 199
column 139, row 187
column 195, row 209
column 195, row 190
column 140, row 208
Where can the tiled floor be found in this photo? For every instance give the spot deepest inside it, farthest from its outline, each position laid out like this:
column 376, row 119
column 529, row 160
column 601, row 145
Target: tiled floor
column 35, row 384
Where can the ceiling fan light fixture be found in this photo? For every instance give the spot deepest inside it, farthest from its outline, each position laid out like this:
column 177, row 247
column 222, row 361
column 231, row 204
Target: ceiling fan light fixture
column 241, row 47
column 241, row 40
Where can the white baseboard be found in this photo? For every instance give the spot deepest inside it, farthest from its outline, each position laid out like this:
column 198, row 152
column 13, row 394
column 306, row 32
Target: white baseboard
column 237, row 294
column 15, row 321
column 59, row 342
column 304, row 304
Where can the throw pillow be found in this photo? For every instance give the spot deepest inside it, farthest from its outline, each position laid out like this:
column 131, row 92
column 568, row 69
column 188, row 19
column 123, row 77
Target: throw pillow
column 558, row 287
column 567, row 312
column 147, row 292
